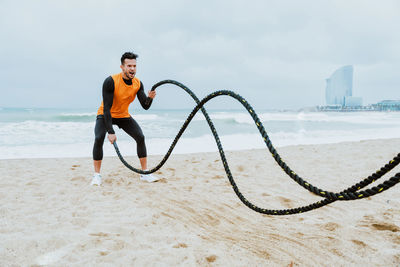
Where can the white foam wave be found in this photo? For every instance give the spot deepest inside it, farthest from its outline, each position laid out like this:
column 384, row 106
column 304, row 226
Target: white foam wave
column 205, row 143
column 350, row 117
column 234, row 117
column 75, row 139
column 47, row 151
column 145, row 117
column 328, row 137
column 41, row 132
column 84, row 114
column 379, row 118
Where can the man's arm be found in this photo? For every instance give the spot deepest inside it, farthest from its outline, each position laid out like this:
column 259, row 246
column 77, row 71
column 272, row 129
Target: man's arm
column 144, row 100
column 108, row 97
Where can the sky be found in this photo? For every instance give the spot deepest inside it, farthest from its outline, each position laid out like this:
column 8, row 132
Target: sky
column 276, row 54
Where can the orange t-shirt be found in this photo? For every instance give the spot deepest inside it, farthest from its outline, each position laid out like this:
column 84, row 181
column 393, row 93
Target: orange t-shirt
column 123, row 96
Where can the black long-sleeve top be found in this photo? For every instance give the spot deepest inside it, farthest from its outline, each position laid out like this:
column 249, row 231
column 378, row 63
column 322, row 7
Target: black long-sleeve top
column 108, row 97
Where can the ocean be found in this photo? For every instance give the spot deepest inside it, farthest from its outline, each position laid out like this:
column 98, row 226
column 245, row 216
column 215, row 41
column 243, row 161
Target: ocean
column 49, row 133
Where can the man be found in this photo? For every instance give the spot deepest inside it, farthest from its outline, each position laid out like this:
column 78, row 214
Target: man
column 119, row 91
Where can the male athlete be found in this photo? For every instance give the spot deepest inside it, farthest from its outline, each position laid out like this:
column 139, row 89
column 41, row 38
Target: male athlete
column 119, row 91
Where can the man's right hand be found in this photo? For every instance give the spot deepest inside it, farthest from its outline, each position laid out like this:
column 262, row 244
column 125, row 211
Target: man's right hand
column 112, row 138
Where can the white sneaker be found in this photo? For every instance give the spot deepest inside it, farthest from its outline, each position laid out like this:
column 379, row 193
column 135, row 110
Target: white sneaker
column 96, row 179
column 148, row 178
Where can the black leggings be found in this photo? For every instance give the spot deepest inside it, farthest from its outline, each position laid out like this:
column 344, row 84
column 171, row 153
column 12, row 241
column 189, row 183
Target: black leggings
column 129, row 125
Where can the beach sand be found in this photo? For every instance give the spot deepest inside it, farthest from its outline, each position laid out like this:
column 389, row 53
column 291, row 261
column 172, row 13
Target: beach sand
column 51, row 216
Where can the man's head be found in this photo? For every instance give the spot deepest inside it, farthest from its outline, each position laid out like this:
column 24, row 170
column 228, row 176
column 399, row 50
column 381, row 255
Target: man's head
column 128, row 65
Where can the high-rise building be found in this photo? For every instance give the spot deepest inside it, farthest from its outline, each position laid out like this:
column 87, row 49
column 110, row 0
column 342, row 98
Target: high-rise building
column 339, row 86
column 352, row 101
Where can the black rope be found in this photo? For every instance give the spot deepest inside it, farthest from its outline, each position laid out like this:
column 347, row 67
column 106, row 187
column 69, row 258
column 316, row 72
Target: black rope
column 352, row 193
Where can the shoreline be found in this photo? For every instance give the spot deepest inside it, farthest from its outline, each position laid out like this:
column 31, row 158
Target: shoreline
column 52, row 216
column 194, row 153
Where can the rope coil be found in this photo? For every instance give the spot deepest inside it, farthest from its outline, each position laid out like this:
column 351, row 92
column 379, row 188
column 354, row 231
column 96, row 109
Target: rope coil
column 351, row 193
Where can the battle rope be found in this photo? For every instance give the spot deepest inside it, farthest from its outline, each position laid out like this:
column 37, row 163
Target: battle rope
column 351, row 193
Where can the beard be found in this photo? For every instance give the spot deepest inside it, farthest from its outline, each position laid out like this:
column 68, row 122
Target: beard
column 129, row 74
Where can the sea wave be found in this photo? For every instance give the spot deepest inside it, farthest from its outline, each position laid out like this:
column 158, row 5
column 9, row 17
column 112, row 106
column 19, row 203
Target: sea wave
column 145, row 117
column 206, row 143
column 85, row 114
column 82, row 147
column 73, row 117
column 379, row 118
column 41, row 132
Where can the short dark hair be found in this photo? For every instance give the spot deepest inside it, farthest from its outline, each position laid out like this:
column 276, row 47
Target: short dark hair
column 128, row 55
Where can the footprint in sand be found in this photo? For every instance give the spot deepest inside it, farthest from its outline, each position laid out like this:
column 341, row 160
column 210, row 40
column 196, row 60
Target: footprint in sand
column 331, row 226
column 380, row 226
column 75, row 166
column 100, row 234
column 385, row 227
column 299, row 235
column 211, row 258
column 210, row 220
column 285, row 202
column 167, row 215
column 104, row 253
column 162, row 180
column 78, row 178
column 359, row 243
column 180, row 245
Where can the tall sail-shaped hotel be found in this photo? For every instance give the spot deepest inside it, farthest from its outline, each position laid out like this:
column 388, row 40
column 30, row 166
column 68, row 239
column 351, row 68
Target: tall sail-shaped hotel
column 339, row 88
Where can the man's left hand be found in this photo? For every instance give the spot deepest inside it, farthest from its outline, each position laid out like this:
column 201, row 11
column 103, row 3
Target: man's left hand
column 152, row 94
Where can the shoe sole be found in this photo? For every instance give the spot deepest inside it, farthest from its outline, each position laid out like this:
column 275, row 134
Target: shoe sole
column 149, row 181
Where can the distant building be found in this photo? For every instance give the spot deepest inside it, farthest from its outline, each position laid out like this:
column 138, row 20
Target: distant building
column 354, row 104
column 339, row 91
column 339, row 85
column 352, row 101
column 387, row 105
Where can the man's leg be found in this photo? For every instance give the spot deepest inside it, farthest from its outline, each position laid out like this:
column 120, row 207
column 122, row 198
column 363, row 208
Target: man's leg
column 97, row 166
column 100, row 133
column 131, row 127
column 143, row 163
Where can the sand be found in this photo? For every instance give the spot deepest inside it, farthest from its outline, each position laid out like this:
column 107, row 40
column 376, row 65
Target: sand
column 51, row 216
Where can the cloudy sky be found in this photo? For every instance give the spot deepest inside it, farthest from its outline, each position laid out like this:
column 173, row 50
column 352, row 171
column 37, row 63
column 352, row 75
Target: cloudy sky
column 277, row 54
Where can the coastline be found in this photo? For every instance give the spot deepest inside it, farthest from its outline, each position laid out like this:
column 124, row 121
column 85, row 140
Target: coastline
column 69, row 134
column 192, row 217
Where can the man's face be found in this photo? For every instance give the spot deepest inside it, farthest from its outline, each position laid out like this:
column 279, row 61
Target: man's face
column 129, row 68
